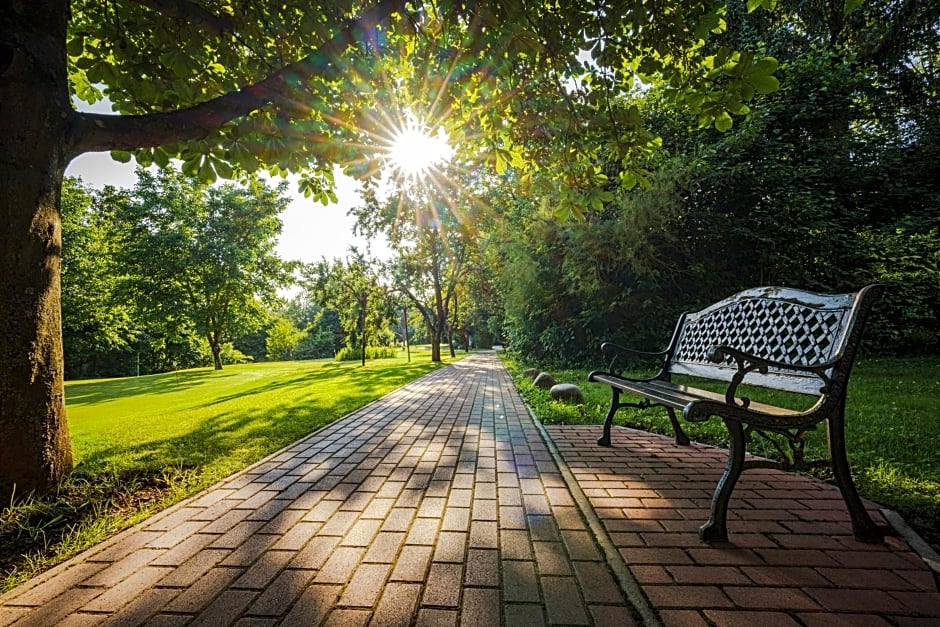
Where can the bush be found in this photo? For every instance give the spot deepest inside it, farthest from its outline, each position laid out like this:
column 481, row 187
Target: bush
column 231, row 355
column 372, row 352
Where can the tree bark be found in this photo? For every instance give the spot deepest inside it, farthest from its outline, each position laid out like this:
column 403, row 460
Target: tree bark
column 34, row 115
column 216, row 355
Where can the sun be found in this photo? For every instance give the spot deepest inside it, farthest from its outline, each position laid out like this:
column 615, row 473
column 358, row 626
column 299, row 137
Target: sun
column 414, row 151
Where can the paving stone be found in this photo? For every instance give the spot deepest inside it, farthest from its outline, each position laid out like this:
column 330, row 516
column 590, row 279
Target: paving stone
column 412, row 563
column 531, row 615
column 315, row 602
column 563, row 603
column 480, row 608
column 520, row 583
column 315, row 553
column 281, row 593
column 225, row 609
column 397, row 605
column 365, row 585
column 264, row 570
column 443, row 586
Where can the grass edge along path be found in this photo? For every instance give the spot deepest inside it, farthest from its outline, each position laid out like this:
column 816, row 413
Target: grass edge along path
column 891, row 435
column 144, row 443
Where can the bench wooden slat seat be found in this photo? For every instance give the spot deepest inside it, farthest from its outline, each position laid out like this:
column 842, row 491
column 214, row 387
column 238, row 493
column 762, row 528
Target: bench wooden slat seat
column 770, row 337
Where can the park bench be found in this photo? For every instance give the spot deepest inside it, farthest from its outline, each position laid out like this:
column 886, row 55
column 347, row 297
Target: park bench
column 769, row 337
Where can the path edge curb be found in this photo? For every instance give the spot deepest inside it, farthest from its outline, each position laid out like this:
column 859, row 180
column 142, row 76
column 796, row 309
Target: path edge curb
column 614, row 560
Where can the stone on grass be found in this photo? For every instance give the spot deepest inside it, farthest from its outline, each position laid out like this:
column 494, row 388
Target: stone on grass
column 544, row 381
column 530, row 373
column 567, row 393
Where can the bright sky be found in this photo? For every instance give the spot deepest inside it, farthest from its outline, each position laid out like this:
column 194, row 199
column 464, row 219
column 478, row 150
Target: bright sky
column 311, row 231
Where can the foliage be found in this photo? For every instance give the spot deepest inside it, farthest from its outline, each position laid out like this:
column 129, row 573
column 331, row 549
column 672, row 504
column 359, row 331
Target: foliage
column 352, row 289
column 97, row 328
column 431, row 232
column 372, row 352
column 201, row 255
column 231, row 355
column 231, row 88
column 283, row 337
column 829, row 184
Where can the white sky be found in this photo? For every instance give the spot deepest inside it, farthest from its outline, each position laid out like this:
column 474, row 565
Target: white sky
column 311, row 231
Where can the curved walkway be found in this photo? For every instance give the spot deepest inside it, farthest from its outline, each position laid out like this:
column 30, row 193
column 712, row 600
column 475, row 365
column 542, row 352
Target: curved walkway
column 444, row 503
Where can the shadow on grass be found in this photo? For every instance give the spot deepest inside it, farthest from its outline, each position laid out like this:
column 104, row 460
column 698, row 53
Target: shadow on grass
column 244, row 435
column 96, row 391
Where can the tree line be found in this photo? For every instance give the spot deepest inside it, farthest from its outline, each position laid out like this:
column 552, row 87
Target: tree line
column 829, row 183
column 175, row 273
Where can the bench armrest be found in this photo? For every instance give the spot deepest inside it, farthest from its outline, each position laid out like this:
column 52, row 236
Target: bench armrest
column 615, row 350
column 747, row 363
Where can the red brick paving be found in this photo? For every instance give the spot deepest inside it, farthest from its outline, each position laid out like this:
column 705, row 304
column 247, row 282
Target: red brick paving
column 442, row 504
column 791, row 558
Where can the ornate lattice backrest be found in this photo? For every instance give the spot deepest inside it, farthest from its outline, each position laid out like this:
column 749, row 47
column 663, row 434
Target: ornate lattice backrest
column 775, row 324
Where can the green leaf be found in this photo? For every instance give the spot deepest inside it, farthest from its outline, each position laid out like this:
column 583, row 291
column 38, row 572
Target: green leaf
column 767, row 65
column 161, row 157
column 191, row 166
column 724, row 122
column 501, row 164
column 628, row 179
column 851, row 5
column 753, row 5
column 76, row 46
column 207, row 173
column 765, row 83
column 121, row 156
column 224, row 169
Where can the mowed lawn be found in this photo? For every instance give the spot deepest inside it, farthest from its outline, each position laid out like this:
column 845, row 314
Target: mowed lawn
column 143, row 443
column 219, row 421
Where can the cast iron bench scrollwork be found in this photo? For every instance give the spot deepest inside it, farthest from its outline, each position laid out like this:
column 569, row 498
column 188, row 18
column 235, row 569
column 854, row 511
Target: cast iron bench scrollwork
column 770, row 337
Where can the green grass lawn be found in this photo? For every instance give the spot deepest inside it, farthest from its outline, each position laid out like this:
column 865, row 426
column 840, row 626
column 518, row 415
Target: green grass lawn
column 892, row 417
column 143, row 443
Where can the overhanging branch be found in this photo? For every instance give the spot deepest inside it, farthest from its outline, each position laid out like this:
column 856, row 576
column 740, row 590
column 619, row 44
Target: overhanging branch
column 96, row 132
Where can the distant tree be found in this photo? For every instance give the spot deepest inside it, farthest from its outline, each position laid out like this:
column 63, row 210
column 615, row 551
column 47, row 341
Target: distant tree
column 352, row 288
column 96, row 327
column 205, row 254
column 283, row 338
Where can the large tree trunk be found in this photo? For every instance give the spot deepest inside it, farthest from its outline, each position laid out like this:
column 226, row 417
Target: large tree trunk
column 436, row 335
column 34, row 114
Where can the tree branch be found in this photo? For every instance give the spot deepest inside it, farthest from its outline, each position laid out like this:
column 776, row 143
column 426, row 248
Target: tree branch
column 96, row 132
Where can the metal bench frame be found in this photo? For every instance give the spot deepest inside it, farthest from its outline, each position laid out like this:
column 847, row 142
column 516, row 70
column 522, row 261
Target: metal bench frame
column 772, row 337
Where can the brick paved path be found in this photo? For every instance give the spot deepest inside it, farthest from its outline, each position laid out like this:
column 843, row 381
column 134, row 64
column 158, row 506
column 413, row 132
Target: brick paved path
column 443, row 504
column 439, row 504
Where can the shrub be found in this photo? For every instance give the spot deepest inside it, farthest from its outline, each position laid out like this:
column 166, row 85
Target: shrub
column 372, row 352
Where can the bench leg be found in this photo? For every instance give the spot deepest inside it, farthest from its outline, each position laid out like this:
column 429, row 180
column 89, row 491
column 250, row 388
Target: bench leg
column 716, row 529
column 681, row 438
column 604, row 440
column 863, row 526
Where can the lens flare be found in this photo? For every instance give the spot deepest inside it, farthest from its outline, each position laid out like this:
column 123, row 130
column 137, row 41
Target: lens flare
column 414, row 151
